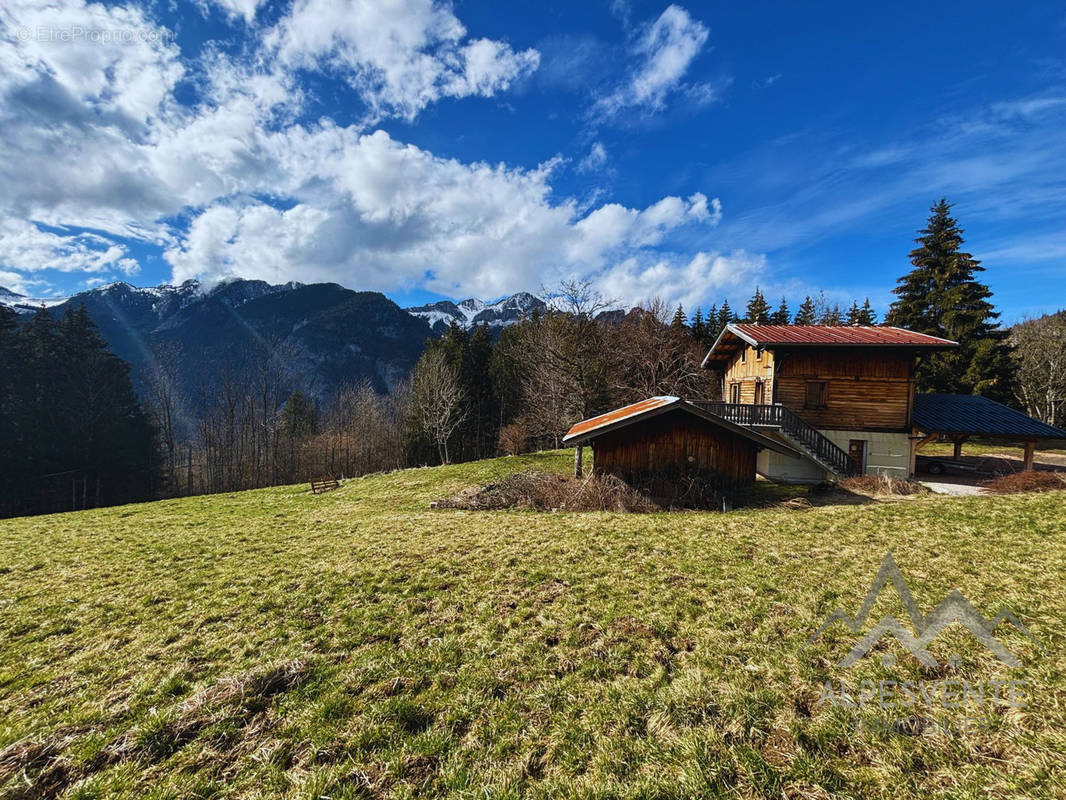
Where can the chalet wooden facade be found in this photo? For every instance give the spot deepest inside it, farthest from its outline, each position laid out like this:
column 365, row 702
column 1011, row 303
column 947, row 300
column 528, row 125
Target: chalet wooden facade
column 853, row 385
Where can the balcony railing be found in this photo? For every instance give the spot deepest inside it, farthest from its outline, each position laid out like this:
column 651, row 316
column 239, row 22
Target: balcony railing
column 777, row 416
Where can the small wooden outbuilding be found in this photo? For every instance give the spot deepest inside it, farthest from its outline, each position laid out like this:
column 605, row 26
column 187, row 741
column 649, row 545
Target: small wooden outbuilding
column 670, row 447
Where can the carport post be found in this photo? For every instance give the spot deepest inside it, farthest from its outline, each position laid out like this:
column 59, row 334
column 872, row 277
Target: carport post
column 577, row 461
column 958, row 446
column 1030, row 448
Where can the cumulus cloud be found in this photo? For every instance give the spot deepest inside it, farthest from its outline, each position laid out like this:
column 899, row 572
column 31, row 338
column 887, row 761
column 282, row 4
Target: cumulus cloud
column 664, row 51
column 26, row 247
column 401, row 55
column 377, row 213
column 690, row 281
column 231, row 185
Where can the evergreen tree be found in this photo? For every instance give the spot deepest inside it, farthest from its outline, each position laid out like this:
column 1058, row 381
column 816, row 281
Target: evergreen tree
column 299, row 417
column 831, row 315
column 758, row 309
column 679, row 320
column 867, row 315
column 699, row 328
column 713, row 328
column 725, row 316
column 806, row 314
column 8, row 381
column 854, row 313
column 482, row 423
column 782, row 315
column 940, row 296
column 68, row 408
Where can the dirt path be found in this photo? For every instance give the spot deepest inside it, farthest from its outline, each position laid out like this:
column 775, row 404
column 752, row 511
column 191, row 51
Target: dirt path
column 961, row 489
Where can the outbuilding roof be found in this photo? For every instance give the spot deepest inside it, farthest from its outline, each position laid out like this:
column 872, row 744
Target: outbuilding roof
column 972, row 415
column 596, row 426
column 736, row 334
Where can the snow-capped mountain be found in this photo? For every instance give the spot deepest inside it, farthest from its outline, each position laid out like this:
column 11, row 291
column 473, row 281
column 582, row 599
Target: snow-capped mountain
column 472, row 312
column 26, row 305
column 330, row 336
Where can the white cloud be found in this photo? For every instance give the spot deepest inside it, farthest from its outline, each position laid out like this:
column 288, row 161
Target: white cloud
column 400, row 55
column 244, row 9
column 112, row 61
column 595, row 160
column 664, row 50
column 13, row 281
column 377, row 213
column 94, row 138
column 694, row 281
column 25, row 247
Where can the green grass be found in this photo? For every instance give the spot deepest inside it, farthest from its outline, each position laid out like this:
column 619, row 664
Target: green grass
column 358, row 644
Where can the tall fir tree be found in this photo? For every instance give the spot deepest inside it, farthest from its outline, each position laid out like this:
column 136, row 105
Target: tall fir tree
column 758, row 311
column 679, row 320
column 806, row 314
column 782, row 315
column 725, row 316
column 854, row 313
column 74, row 418
column 713, row 325
column 867, row 315
column 941, row 296
column 699, row 328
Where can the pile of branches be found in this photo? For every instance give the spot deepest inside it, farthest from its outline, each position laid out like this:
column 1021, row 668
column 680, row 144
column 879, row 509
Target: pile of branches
column 539, row 491
column 882, row 485
column 1032, row 481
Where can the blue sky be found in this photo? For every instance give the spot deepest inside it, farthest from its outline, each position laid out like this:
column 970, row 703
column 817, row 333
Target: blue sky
column 429, row 149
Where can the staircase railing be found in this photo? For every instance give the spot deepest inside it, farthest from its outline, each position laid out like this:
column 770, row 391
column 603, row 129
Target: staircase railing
column 778, row 416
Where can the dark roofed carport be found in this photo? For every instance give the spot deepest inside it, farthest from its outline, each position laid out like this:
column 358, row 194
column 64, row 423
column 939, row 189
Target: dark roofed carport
column 961, row 416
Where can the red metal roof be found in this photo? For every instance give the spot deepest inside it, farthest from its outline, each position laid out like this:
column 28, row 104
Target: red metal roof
column 763, row 335
column 734, row 334
column 620, row 414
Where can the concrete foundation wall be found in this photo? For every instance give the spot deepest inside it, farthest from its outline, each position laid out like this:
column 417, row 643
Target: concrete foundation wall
column 781, row 468
column 887, row 454
column 787, row 469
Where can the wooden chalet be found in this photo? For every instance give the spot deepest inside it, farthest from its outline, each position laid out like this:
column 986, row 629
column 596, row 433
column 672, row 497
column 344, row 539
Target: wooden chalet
column 843, row 395
column 799, row 404
column 665, row 445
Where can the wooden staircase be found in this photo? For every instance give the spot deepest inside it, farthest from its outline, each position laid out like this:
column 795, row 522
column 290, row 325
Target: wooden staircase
column 802, row 436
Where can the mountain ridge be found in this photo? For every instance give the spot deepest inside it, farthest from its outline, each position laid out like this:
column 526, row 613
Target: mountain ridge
column 439, row 314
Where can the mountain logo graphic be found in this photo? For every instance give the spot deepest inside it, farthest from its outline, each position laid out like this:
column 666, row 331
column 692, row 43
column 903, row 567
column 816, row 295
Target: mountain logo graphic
column 953, row 608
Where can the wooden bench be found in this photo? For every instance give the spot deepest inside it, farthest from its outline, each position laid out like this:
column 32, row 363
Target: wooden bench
column 325, row 485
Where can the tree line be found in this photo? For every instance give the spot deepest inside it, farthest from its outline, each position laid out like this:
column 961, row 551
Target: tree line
column 73, row 433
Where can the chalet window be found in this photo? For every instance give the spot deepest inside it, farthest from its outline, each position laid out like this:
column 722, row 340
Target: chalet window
column 744, row 355
column 734, row 393
column 816, row 394
column 758, row 354
column 760, row 393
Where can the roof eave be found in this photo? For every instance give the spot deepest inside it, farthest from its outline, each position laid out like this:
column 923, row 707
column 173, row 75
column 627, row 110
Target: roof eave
column 727, row 329
column 584, row 436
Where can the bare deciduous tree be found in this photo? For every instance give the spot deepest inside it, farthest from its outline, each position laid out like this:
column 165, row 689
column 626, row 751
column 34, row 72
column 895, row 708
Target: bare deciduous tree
column 650, row 357
column 165, row 404
column 1040, row 352
column 437, row 398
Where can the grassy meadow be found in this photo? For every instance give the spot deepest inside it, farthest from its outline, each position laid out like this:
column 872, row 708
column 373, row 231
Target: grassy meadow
column 359, row 644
